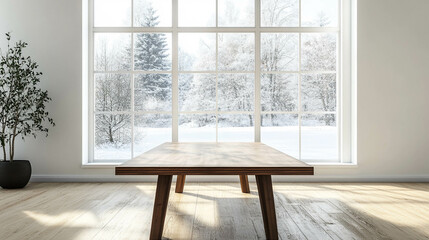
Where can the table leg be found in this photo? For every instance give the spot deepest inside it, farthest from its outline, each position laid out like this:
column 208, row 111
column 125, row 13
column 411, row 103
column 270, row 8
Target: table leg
column 180, row 183
column 244, row 181
column 160, row 206
column 266, row 198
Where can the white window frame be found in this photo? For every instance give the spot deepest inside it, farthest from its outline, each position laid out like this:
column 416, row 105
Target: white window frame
column 345, row 86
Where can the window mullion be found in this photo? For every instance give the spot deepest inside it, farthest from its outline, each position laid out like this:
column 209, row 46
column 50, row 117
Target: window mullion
column 217, row 76
column 257, row 95
column 338, row 118
column 175, row 74
column 217, row 71
column 132, row 81
column 299, row 84
column 345, row 77
column 132, row 96
column 91, row 85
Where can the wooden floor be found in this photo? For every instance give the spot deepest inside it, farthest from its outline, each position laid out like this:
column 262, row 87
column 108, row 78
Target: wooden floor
column 215, row 211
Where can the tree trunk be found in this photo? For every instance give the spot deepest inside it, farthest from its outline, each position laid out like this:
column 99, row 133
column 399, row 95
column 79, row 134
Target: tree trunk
column 110, row 135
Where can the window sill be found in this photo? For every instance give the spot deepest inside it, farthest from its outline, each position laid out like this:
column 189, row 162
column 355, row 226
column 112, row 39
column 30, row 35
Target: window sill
column 317, row 165
column 99, row 165
column 334, row 165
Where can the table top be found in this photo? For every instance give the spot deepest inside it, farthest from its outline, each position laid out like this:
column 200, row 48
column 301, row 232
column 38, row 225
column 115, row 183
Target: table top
column 214, row 159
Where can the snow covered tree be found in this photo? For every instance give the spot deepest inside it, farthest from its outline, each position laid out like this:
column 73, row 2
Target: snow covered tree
column 236, row 91
column 197, row 92
column 280, row 13
column 112, row 93
column 319, row 94
column 151, row 49
column 322, row 20
column 151, row 54
column 279, row 52
column 319, row 52
column 279, row 91
column 112, row 129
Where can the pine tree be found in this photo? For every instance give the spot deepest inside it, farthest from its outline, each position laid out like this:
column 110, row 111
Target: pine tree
column 151, row 54
column 151, row 48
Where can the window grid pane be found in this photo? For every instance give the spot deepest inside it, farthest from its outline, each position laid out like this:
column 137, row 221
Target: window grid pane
column 298, row 74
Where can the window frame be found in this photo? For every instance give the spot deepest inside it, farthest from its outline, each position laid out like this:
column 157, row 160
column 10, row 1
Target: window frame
column 344, row 108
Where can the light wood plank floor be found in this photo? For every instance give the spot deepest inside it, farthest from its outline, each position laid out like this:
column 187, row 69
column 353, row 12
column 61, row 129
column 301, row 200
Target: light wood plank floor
column 215, row 211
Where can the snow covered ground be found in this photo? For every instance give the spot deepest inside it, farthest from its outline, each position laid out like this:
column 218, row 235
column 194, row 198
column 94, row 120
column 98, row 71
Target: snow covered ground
column 318, row 143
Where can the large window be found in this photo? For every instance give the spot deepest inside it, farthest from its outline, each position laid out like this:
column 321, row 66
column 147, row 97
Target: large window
column 269, row 71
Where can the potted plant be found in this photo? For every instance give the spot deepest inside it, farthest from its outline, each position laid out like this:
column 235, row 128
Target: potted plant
column 22, row 111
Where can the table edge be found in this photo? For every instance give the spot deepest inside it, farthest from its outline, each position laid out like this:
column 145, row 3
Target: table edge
column 307, row 170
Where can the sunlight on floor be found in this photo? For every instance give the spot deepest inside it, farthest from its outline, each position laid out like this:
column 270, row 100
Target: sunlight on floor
column 63, row 219
column 216, row 210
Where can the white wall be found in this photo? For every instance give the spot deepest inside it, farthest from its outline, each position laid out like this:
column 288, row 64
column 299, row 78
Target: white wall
column 392, row 102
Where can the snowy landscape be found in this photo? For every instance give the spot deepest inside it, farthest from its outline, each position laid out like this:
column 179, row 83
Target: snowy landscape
column 318, row 143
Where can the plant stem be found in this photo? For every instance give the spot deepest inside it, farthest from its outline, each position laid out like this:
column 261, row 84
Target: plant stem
column 3, row 143
column 12, row 154
column 4, row 151
column 10, row 150
column 12, row 142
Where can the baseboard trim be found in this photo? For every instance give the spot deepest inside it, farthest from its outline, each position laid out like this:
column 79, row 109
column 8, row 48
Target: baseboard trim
column 112, row 178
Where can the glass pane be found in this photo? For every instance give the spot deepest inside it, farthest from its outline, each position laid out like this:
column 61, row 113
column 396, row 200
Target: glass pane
column 197, row 128
column 236, row 128
column 197, row 13
column 279, row 92
column 112, row 137
column 152, row 13
column 151, row 130
column 318, row 92
column 152, row 92
column 112, row 13
column 279, row 51
column 233, row 13
column 281, row 131
column 152, row 51
column 319, row 137
column 236, row 51
column 112, row 92
column 112, row 51
column 197, row 92
column 279, row 13
column 197, row 51
column 236, row 92
column 319, row 13
column 319, row 51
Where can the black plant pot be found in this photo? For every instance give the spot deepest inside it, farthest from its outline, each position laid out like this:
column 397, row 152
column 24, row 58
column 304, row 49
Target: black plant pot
column 15, row 174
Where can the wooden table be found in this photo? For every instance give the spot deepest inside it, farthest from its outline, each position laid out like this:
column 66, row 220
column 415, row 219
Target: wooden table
column 241, row 159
